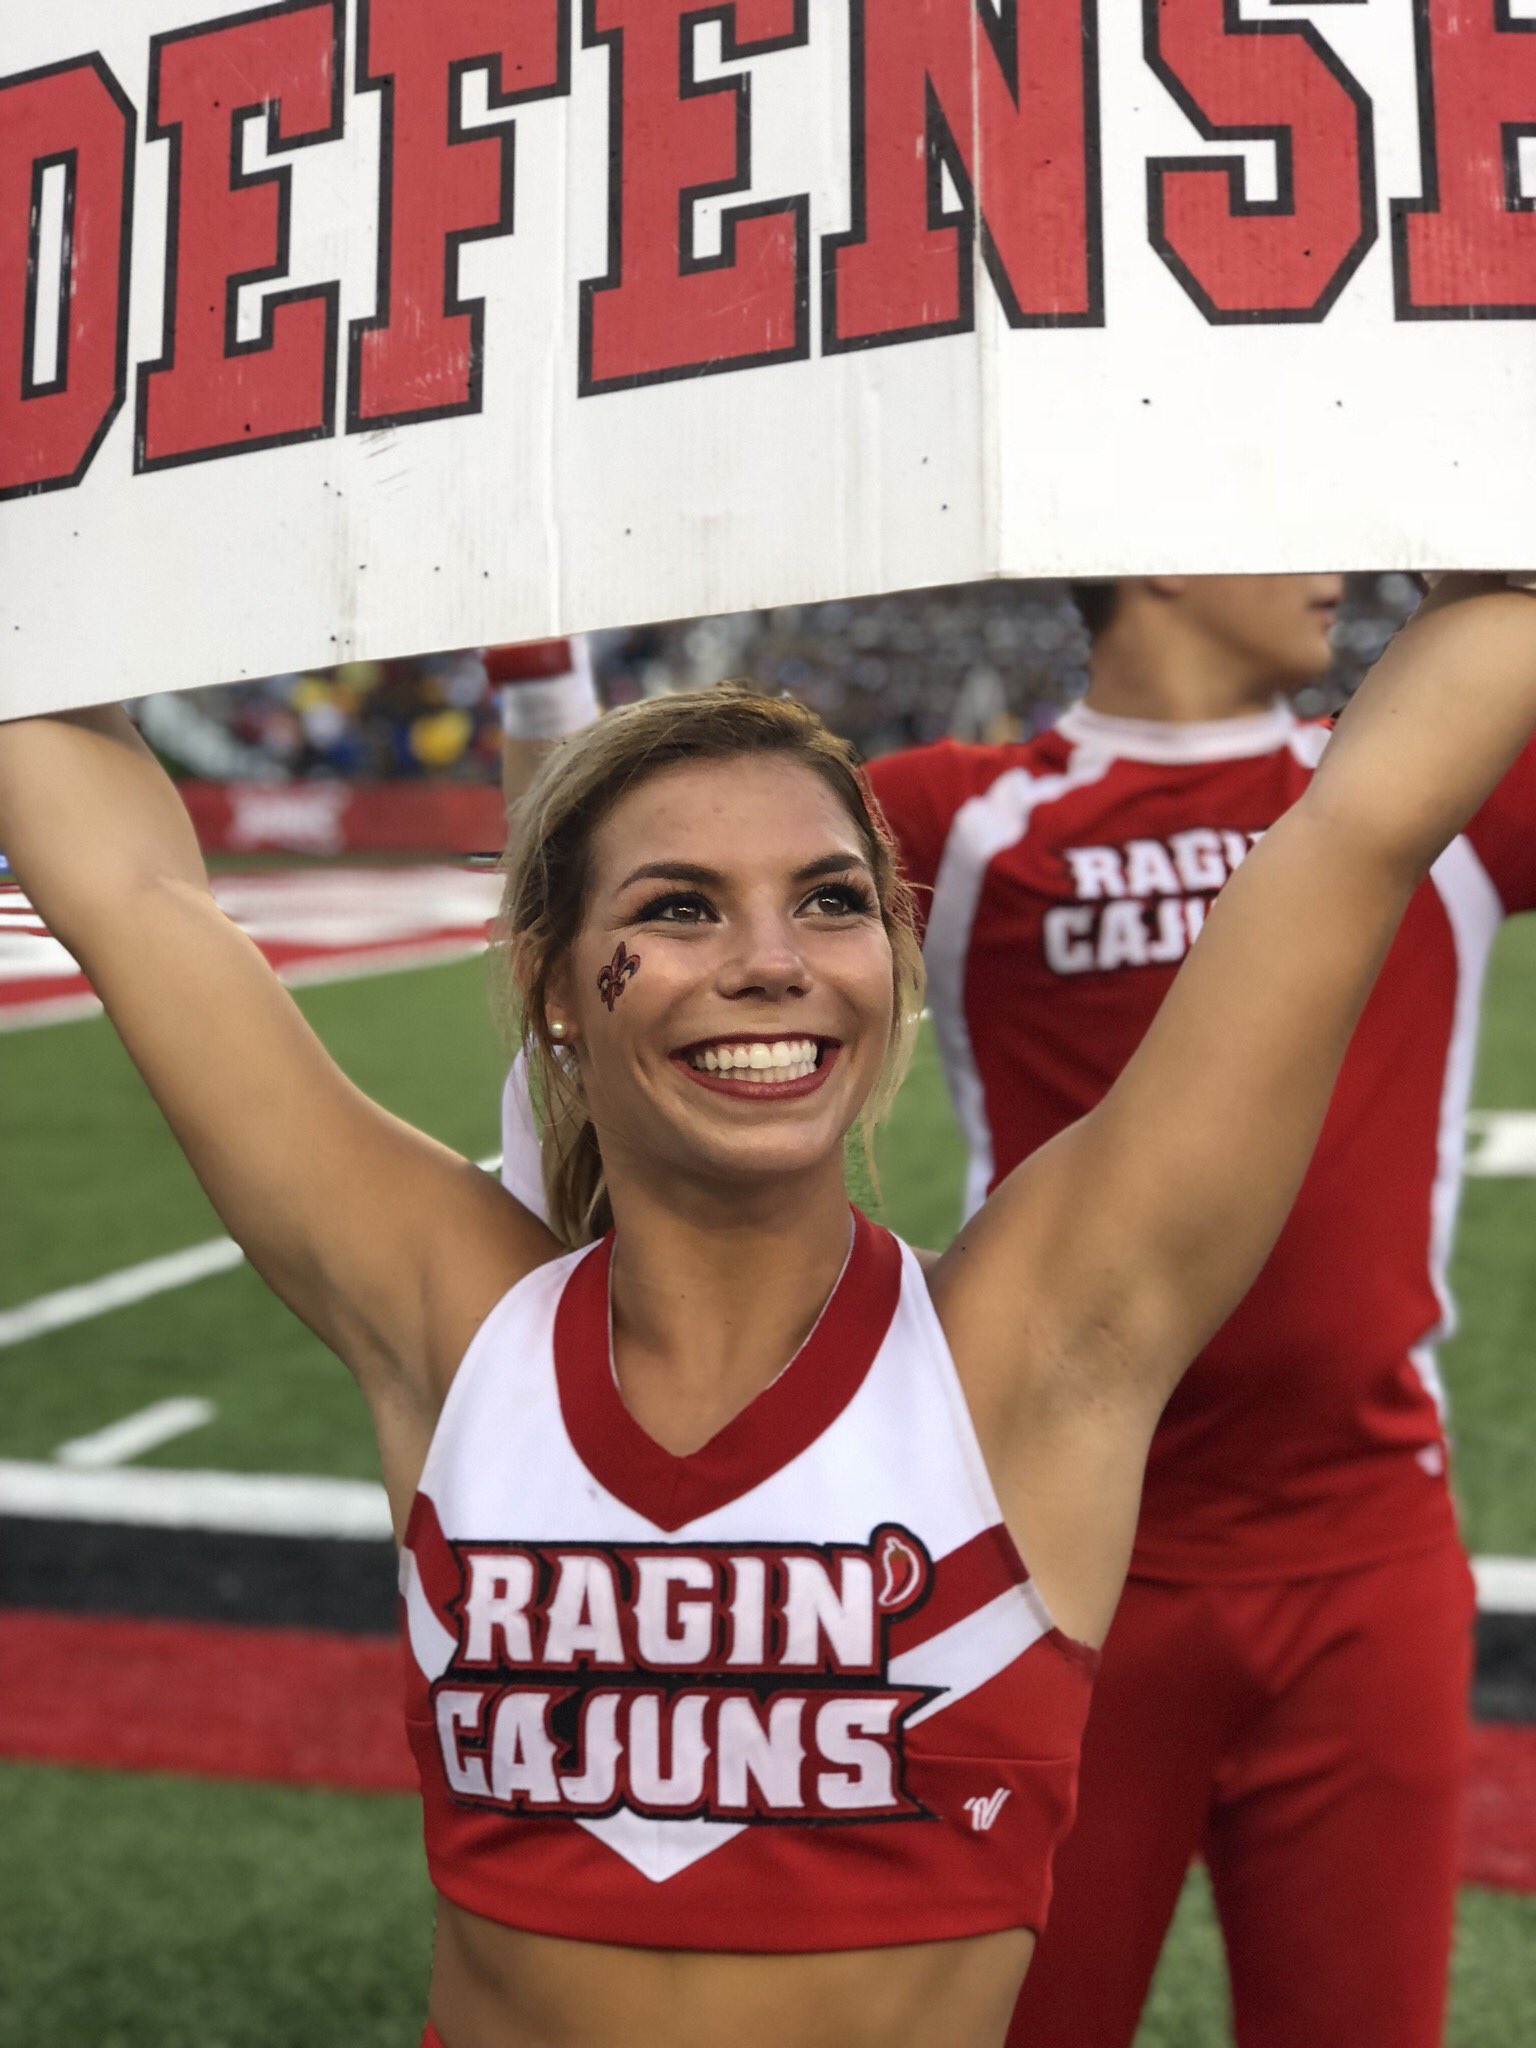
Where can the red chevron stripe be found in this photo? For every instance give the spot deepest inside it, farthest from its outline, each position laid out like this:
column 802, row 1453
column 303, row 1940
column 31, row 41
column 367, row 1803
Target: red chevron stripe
column 963, row 1580
column 436, row 1565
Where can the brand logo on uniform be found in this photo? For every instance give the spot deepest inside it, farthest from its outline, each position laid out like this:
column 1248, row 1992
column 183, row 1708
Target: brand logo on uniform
column 984, row 1809
column 735, row 1681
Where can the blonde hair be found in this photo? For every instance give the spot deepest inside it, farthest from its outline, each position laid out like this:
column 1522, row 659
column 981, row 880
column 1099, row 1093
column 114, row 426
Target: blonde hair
column 548, row 875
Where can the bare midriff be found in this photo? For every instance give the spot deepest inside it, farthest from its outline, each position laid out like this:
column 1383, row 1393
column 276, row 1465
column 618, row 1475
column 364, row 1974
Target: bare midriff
column 494, row 1987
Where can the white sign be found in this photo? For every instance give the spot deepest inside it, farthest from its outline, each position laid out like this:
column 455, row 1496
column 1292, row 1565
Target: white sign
column 351, row 327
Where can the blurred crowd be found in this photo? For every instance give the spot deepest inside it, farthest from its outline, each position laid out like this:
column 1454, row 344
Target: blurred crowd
column 367, row 720
column 979, row 661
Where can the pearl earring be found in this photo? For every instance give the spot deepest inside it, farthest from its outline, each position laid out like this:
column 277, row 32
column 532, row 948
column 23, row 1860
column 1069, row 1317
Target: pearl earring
column 557, row 1030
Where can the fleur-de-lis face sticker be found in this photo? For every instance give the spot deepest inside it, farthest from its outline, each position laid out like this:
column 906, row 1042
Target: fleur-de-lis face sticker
column 610, row 982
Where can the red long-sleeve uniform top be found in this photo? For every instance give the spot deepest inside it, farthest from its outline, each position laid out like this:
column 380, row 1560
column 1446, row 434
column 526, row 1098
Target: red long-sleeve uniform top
column 1061, row 882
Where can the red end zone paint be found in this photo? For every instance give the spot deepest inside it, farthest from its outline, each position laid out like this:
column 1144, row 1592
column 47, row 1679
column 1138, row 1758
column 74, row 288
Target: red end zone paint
column 303, row 1707
column 314, row 925
column 290, row 1706
column 1499, row 1840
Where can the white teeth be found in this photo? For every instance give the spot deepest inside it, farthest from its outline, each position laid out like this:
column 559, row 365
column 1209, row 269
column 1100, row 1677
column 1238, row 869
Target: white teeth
column 778, row 1059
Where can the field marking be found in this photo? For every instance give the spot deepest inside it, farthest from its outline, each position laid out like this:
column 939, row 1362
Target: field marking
column 388, row 960
column 1504, row 1148
column 145, row 1430
column 309, row 1504
column 50, row 1010
column 1505, row 1585
column 130, row 1284
column 319, row 973
column 1503, row 1144
column 247, row 1503
column 117, row 1290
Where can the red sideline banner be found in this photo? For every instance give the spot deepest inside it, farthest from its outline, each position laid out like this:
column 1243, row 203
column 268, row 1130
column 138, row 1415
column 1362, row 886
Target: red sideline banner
column 335, row 328
column 346, row 817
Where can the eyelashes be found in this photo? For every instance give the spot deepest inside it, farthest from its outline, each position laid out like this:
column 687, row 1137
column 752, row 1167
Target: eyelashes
column 851, row 896
column 687, row 906
column 660, row 907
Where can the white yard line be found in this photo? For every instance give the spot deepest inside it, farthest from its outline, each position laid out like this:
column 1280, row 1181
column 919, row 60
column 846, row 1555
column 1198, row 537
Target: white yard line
column 388, row 960
column 54, row 1010
column 249, row 1503
column 145, row 1430
column 1505, row 1585
column 317, row 973
column 117, row 1290
column 1503, row 1147
column 130, row 1284
column 1503, row 1144
column 279, row 1504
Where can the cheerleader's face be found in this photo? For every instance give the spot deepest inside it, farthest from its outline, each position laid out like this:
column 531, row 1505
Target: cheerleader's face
column 1273, row 631
column 729, row 994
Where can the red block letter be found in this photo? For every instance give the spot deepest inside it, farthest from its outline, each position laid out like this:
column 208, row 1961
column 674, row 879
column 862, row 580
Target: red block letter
column 421, row 355
column 1285, row 258
column 662, row 311
column 1011, row 115
column 73, row 120
column 1468, row 247
column 211, row 393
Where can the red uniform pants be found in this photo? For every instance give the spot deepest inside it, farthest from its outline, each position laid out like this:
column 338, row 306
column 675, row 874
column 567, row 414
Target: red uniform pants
column 1309, row 1740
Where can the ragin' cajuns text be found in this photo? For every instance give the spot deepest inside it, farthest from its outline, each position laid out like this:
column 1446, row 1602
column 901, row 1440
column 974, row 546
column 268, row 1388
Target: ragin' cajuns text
column 739, row 1681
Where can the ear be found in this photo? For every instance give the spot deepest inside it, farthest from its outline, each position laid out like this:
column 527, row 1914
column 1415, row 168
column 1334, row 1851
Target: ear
column 558, row 993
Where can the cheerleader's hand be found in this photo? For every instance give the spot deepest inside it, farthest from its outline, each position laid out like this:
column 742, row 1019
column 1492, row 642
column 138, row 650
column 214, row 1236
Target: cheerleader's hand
column 1518, row 579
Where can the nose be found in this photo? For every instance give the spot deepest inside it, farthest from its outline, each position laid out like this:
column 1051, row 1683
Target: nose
column 766, row 961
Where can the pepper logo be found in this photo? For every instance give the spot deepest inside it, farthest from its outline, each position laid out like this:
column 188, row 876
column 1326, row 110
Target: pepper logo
column 903, row 1573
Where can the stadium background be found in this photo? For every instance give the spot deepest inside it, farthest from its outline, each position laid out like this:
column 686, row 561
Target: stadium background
column 206, row 1840
column 981, row 661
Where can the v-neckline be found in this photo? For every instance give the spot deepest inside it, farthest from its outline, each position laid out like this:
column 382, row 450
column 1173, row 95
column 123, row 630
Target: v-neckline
column 775, row 1426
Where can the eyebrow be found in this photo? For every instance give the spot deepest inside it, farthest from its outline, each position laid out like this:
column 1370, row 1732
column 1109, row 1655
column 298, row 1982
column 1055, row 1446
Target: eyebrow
column 711, row 878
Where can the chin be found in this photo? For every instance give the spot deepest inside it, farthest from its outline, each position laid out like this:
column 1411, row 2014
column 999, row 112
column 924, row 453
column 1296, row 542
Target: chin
column 707, row 1135
column 751, row 1158
column 1323, row 653
column 1308, row 665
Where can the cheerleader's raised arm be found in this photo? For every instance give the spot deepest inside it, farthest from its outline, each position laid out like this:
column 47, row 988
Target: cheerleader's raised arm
column 1142, row 1226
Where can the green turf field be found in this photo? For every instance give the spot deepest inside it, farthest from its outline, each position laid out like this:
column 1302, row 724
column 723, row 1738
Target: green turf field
column 99, row 1185
column 231, row 1916
column 160, row 1913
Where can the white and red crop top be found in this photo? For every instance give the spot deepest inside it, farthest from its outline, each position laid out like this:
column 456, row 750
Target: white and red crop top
column 793, row 1691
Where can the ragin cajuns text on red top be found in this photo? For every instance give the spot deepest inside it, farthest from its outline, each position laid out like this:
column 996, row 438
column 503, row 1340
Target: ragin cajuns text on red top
column 804, row 1663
